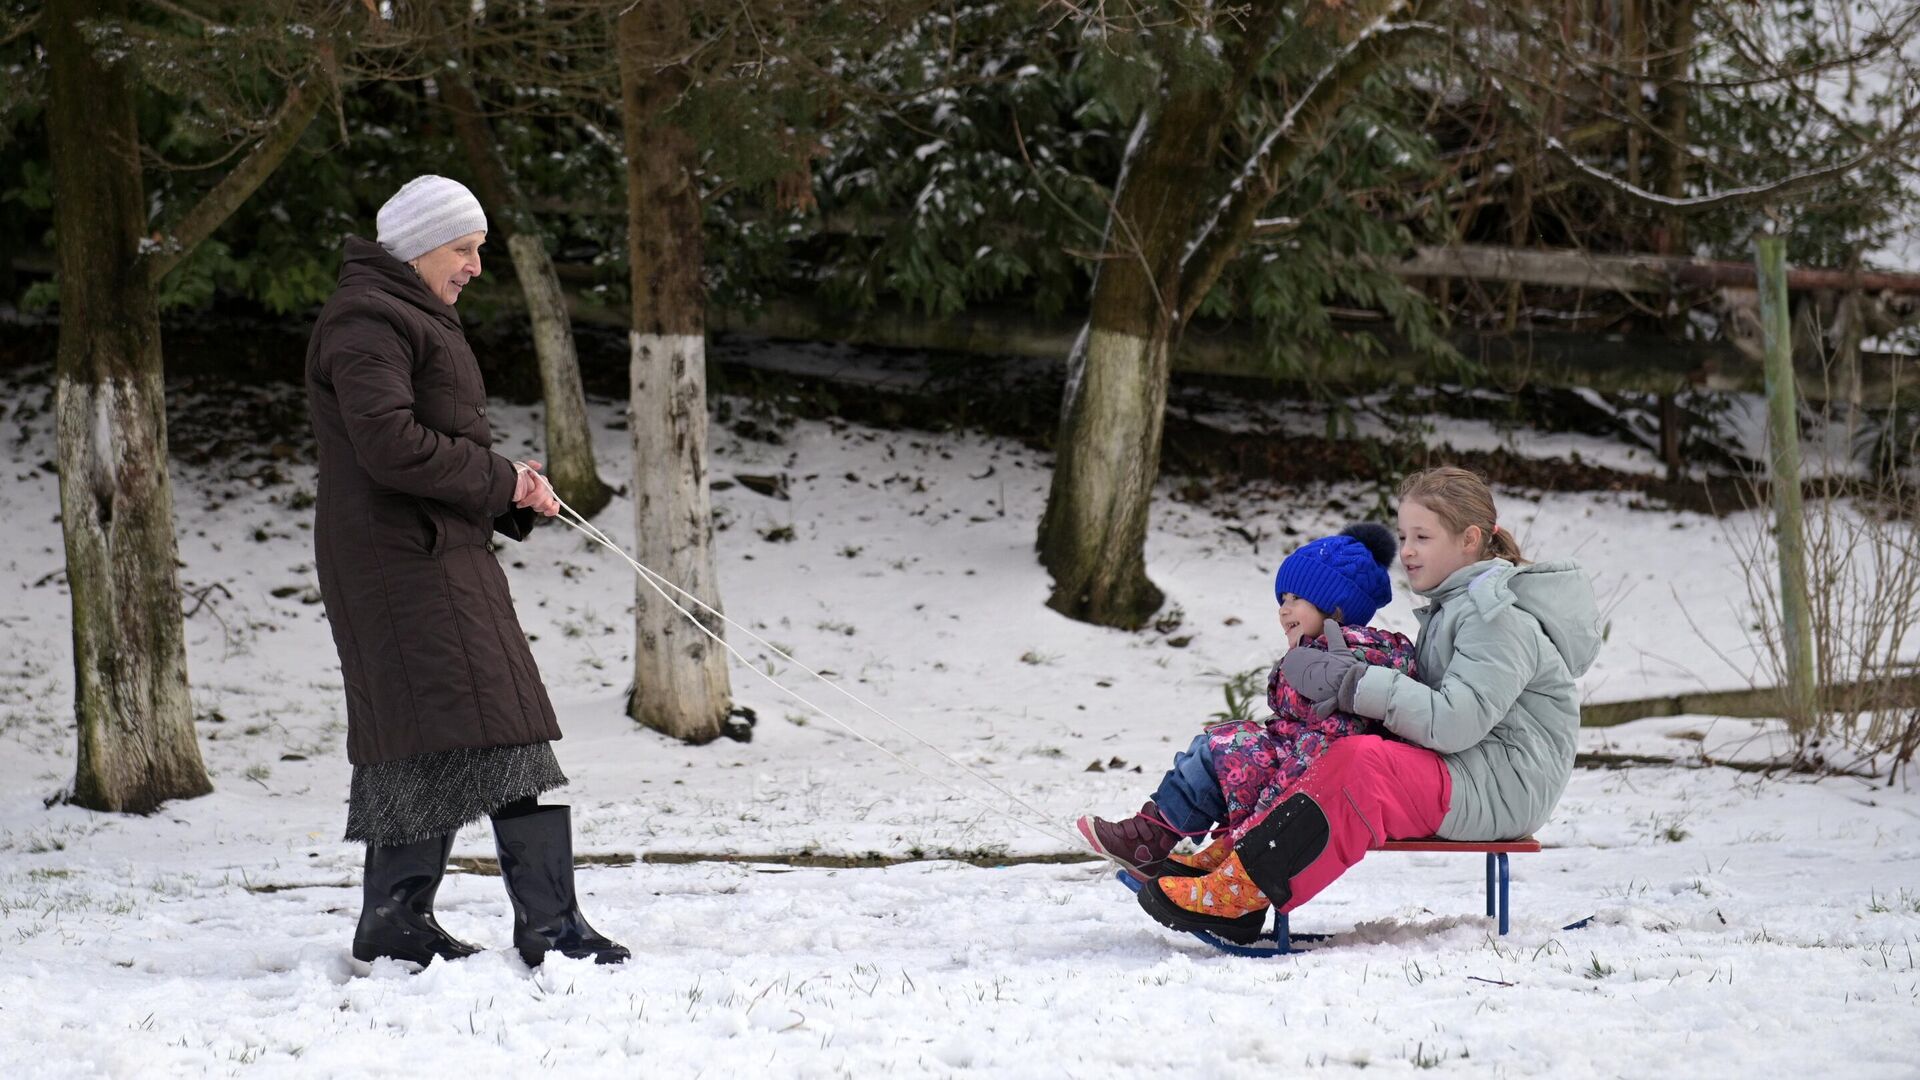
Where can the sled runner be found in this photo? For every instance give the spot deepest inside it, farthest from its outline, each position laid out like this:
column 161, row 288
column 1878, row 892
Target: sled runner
column 1281, row 941
column 1282, row 938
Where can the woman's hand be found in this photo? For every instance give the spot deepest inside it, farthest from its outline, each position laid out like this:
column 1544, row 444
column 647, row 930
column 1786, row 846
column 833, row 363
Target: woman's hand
column 1325, row 678
column 533, row 490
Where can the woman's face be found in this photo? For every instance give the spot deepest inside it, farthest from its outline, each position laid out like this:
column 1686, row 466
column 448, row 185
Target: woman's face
column 1428, row 552
column 447, row 268
column 1299, row 619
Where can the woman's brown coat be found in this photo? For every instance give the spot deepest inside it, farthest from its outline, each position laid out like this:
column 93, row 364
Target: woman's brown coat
column 431, row 653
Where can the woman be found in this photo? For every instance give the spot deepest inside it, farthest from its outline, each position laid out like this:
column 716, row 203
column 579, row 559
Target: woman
column 447, row 720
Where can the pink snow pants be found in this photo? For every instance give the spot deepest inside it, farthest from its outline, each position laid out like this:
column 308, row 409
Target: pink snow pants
column 1371, row 790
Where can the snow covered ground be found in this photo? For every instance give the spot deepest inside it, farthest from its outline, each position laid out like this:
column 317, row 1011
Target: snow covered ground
column 1744, row 925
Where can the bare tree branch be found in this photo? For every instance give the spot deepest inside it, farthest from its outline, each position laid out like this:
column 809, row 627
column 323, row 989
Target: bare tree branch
column 1751, row 194
column 302, row 105
column 20, row 29
column 1882, row 42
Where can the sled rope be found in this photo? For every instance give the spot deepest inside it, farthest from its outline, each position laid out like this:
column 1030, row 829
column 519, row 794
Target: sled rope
column 660, row 585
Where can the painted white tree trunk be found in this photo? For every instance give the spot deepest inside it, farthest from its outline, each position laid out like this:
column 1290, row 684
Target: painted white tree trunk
column 131, row 705
column 570, row 460
column 137, row 746
column 680, row 677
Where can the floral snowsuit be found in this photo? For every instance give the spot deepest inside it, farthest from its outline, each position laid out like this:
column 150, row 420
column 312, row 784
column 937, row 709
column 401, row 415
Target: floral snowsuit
column 1259, row 761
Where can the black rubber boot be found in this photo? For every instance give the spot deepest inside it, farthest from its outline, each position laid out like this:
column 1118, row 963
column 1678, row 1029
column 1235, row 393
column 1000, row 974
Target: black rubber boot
column 396, row 914
column 1244, row 930
column 536, row 862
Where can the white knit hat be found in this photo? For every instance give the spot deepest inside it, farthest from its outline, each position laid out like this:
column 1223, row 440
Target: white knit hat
column 426, row 212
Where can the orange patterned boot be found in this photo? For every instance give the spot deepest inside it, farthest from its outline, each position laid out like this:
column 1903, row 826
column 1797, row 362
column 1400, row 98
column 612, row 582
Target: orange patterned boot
column 1224, row 902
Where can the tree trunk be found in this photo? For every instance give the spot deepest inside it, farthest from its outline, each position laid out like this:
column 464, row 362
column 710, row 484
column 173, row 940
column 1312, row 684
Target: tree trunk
column 570, row 461
column 1093, row 534
column 137, row 747
column 1158, row 264
column 1632, row 55
column 1094, row 531
column 680, row 674
column 1673, row 65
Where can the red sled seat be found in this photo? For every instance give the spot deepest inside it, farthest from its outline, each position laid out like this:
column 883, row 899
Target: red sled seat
column 1496, row 852
column 1497, row 886
column 1498, row 877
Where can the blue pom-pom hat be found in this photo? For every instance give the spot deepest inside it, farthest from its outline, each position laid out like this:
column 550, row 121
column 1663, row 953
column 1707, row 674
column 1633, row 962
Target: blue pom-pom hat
column 1346, row 573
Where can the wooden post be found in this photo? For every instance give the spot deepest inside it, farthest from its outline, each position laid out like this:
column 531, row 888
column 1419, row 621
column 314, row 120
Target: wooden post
column 1783, row 441
column 1672, row 436
column 1852, row 310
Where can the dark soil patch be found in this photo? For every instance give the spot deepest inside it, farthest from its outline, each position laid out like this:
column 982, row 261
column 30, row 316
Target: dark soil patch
column 798, row 860
column 234, row 396
column 1196, row 449
column 1022, row 403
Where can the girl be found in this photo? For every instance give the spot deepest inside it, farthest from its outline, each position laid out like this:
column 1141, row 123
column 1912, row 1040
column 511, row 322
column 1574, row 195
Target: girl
column 1233, row 770
column 1489, row 725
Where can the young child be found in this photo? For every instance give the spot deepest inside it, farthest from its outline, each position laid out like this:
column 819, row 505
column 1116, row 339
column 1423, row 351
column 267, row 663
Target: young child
column 1231, row 770
column 1489, row 726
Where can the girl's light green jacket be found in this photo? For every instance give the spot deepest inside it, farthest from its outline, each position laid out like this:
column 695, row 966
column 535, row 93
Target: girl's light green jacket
column 1499, row 648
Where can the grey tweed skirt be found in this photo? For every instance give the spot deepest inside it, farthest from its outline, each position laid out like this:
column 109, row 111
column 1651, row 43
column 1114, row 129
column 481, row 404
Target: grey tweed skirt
column 399, row 802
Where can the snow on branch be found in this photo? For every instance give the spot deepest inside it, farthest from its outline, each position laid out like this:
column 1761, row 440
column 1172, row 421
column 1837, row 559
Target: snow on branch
column 1245, row 186
column 1213, row 245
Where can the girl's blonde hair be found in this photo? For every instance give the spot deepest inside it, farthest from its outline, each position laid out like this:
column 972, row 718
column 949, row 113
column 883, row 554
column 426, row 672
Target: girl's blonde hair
column 1461, row 499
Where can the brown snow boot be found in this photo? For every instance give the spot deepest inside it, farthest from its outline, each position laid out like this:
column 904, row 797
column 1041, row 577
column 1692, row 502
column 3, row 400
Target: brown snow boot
column 1140, row 844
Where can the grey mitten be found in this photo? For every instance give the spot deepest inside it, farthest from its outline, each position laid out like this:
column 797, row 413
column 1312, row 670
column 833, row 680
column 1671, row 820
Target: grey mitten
column 1326, row 678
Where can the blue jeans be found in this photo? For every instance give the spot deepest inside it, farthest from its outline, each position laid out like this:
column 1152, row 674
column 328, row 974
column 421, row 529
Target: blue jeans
column 1190, row 797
